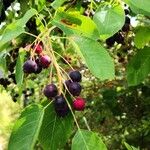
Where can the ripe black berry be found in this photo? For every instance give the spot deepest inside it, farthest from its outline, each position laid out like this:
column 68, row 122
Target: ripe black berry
column 75, row 76
column 61, row 106
column 30, row 66
column 119, row 38
column 110, row 41
column 127, row 20
column 67, row 83
column 126, row 27
column 79, row 104
column 75, row 88
column 45, row 61
column 50, row 91
column 39, row 66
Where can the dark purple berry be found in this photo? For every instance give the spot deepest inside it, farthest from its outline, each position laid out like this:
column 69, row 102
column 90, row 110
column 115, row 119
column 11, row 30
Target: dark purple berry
column 67, row 83
column 126, row 27
column 30, row 66
column 50, row 91
column 75, row 76
column 75, row 88
column 126, row 11
column 39, row 66
column 119, row 38
column 61, row 106
column 45, row 61
column 127, row 20
column 110, row 41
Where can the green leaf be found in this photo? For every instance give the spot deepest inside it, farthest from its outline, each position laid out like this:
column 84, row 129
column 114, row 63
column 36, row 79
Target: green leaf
column 57, row 3
column 15, row 28
column 142, row 36
column 40, row 4
column 72, row 23
column 130, row 147
column 87, row 140
column 3, row 64
column 139, row 67
column 19, row 67
column 26, row 129
column 109, row 20
column 139, row 7
column 96, row 57
column 55, row 130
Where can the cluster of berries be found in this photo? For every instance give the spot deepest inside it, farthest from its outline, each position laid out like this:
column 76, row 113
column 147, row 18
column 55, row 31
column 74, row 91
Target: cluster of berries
column 118, row 37
column 36, row 66
column 74, row 88
column 50, row 91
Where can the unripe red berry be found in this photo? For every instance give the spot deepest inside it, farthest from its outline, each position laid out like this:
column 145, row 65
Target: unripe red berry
column 45, row 61
column 38, row 48
column 79, row 104
column 30, row 66
column 50, row 91
column 75, row 76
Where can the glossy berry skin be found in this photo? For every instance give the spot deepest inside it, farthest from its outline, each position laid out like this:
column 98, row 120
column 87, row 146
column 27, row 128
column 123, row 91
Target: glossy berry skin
column 79, row 104
column 30, row 66
column 38, row 48
column 45, row 61
column 75, row 88
column 126, row 27
column 127, row 20
column 39, row 67
column 119, row 38
column 67, row 83
column 75, row 76
column 50, row 91
column 61, row 107
column 110, row 41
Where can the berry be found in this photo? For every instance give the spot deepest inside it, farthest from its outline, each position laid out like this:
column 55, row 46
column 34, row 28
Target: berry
column 119, row 38
column 75, row 76
column 38, row 48
column 126, row 11
column 61, row 106
column 45, row 61
column 79, row 104
column 39, row 66
column 50, row 91
column 75, row 88
column 110, row 41
column 67, row 83
column 30, row 66
column 127, row 20
column 126, row 27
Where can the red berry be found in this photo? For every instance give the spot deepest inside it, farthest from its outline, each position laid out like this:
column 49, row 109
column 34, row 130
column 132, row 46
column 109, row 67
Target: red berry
column 79, row 104
column 38, row 48
column 45, row 61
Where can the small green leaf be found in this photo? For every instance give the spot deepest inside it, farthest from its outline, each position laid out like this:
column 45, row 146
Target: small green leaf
column 96, row 57
column 55, row 130
column 139, row 67
column 109, row 20
column 3, row 64
column 130, row 147
column 19, row 67
column 40, row 4
column 142, row 36
column 72, row 23
column 15, row 28
column 26, row 129
column 57, row 3
column 87, row 140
